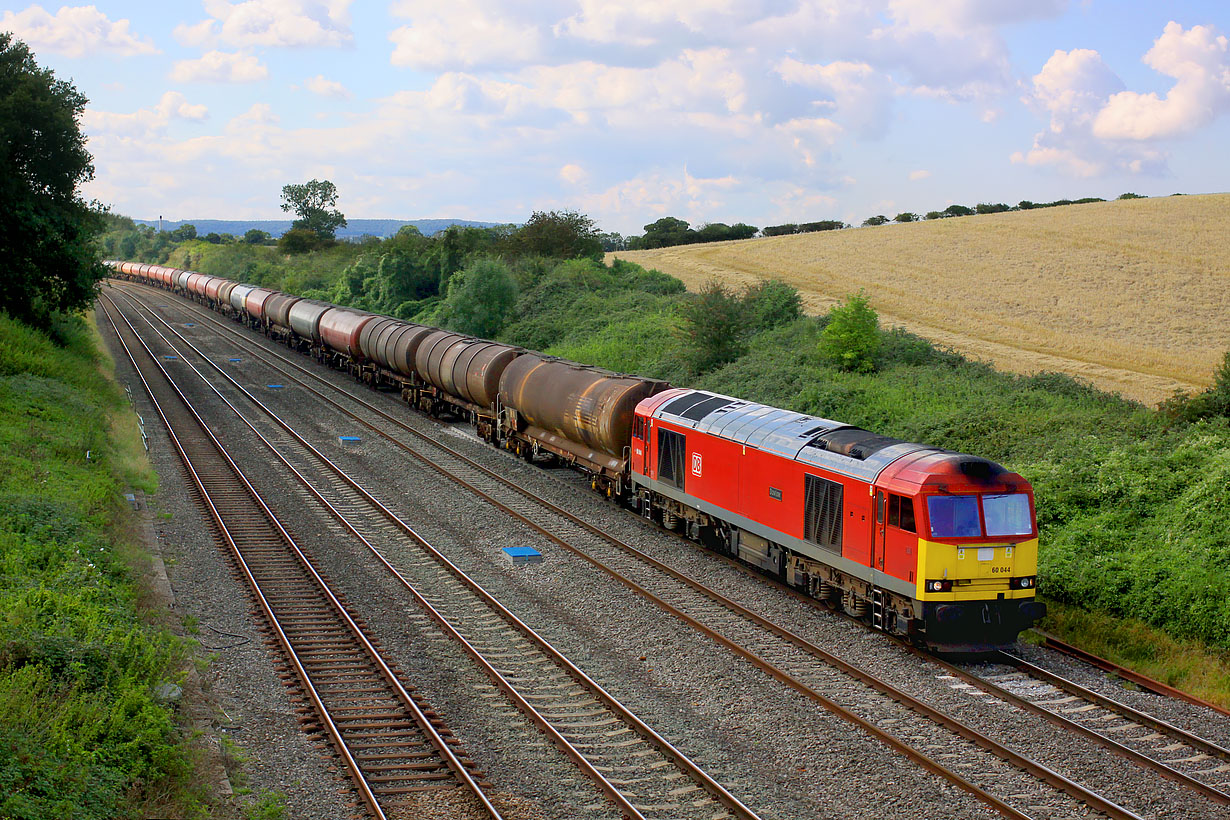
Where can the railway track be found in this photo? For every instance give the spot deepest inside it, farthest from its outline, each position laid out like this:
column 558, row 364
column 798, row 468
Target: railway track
column 807, row 668
column 382, row 731
column 638, row 770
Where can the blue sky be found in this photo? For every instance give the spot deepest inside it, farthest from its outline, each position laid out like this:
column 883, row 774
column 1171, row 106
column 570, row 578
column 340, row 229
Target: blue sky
column 761, row 111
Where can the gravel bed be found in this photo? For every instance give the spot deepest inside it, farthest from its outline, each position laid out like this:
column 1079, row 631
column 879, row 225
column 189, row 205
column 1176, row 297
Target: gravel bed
column 659, row 666
column 250, row 706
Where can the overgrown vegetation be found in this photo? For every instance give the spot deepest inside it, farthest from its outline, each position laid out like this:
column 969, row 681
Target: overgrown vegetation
column 83, row 733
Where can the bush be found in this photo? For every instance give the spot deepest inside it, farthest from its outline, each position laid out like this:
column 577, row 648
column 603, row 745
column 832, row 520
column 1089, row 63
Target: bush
column 715, row 327
column 480, row 299
column 851, row 340
column 771, row 303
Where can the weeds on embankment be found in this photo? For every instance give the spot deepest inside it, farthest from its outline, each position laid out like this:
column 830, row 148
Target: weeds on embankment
column 82, row 731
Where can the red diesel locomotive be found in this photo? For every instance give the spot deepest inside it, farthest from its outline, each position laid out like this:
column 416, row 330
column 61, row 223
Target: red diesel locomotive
column 932, row 544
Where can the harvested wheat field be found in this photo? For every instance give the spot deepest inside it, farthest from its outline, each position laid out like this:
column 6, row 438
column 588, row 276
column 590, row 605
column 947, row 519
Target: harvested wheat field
column 1131, row 295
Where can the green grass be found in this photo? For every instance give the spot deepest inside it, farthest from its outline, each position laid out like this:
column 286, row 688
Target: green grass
column 81, row 733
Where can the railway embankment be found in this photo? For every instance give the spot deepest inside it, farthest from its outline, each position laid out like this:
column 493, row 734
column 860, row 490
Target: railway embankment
column 88, row 681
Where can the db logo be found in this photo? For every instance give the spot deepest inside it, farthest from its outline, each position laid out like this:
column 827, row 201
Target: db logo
column 696, row 464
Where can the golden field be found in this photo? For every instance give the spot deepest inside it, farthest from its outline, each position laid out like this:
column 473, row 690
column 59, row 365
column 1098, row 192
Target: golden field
column 1132, row 295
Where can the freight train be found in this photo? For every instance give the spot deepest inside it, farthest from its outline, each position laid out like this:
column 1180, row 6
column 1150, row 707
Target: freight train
column 935, row 546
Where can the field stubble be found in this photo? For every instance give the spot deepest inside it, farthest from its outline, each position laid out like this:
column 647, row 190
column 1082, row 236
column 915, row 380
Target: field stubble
column 1132, row 296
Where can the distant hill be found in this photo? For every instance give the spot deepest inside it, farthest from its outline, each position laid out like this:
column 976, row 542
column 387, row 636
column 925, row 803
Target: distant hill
column 1130, row 295
column 355, row 228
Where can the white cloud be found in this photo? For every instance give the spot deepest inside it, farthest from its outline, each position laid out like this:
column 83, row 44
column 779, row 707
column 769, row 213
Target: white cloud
column 220, row 67
column 270, row 23
column 656, row 194
column 75, row 31
column 1199, row 61
column 573, row 174
column 145, row 121
column 915, row 176
column 462, row 34
column 1071, row 89
column 861, row 95
column 327, row 88
column 956, row 16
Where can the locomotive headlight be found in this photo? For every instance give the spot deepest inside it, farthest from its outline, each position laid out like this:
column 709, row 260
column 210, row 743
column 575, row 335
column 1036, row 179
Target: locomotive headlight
column 1028, row 582
column 939, row 586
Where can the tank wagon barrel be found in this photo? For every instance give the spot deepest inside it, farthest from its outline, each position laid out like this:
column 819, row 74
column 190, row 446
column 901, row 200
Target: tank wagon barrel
column 584, row 411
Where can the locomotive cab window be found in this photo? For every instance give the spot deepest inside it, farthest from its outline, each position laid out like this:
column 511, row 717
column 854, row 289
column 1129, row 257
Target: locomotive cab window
column 670, row 457
column 901, row 513
column 638, row 427
column 954, row 516
column 1007, row 514
column 822, row 512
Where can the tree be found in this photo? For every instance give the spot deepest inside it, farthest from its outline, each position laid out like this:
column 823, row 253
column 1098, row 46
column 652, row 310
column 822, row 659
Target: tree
column 879, row 219
column 1129, row 195
column 313, row 201
column 933, row 215
column 958, row 210
column 298, row 240
column 213, row 238
column 558, row 234
column 771, row 303
column 715, row 327
column 991, row 208
column 255, row 236
column 184, row 232
column 668, row 231
column 851, row 339
column 480, row 297
column 48, row 259
column 905, row 216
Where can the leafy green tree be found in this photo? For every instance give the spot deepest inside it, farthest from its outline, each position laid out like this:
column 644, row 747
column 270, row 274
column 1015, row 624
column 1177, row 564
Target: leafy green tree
column 772, row 303
column 255, row 236
column 782, row 230
column 313, row 202
column 905, row 216
column 184, row 232
column 299, row 240
column 958, row 210
column 1130, row 195
column 480, row 298
column 212, row 238
column 851, row 339
column 557, row 234
column 933, row 215
column 992, row 208
column 667, row 232
column 715, row 327
column 48, row 257
column 878, row 219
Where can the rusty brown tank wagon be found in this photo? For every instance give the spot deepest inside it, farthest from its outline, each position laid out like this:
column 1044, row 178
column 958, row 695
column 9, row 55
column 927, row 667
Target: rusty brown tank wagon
column 580, row 414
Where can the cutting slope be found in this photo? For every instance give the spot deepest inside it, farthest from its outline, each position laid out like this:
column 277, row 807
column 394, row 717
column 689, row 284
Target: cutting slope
column 1132, row 295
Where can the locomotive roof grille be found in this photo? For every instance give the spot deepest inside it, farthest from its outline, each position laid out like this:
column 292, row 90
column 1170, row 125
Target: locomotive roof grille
column 703, row 408
column 854, row 442
column 682, row 403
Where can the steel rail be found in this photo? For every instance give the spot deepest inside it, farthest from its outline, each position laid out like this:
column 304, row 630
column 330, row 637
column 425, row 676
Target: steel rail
column 718, row 791
column 425, row 724
column 1155, row 686
column 1212, row 793
column 1035, row 769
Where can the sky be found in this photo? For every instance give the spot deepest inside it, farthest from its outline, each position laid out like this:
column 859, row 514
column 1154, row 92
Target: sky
column 757, row 111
